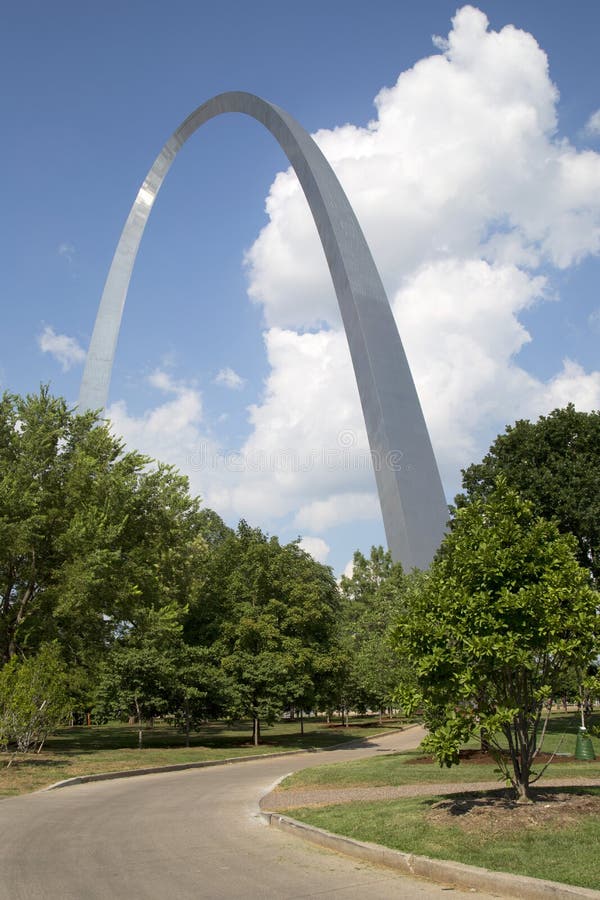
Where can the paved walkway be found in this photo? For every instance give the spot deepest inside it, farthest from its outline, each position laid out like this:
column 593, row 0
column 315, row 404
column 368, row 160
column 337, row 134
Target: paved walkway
column 191, row 834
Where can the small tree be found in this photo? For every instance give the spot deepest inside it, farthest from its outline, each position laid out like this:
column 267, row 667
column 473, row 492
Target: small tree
column 505, row 611
column 33, row 699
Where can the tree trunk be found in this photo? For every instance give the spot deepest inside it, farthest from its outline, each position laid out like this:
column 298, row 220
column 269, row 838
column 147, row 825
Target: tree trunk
column 21, row 612
column 139, row 719
column 484, row 744
column 255, row 731
column 186, row 708
column 523, row 793
column 302, row 722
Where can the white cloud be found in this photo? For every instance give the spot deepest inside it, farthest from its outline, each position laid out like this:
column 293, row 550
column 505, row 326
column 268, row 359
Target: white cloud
column 317, row 547
column 170, row 431
column 229, row 379
column 66, row 350
column 463, row 191
column 67, row 251
column 323, row 514
column 592, row 126
column 470, row 203
column 348, row 570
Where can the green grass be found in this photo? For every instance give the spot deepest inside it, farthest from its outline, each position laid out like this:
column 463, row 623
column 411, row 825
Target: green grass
column 399, row 769
column 567, row 854
column 110, row 748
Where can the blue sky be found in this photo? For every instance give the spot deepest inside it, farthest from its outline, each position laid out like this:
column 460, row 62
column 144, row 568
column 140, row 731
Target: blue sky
column 477, row 184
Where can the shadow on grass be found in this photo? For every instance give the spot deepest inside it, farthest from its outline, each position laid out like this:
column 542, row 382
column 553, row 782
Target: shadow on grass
column 82, row 740
column 504, row 799
column 32, row 762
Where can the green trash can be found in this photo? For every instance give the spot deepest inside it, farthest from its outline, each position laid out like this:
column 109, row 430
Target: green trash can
column 584, row 749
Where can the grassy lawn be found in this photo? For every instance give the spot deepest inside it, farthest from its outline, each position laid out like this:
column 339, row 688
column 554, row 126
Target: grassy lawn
column 567, row 854
column 110, row 748
column 402, row 768
column 564, row 851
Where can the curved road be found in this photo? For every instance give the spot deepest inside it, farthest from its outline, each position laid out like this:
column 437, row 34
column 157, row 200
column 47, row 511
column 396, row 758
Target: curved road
column 190, row 834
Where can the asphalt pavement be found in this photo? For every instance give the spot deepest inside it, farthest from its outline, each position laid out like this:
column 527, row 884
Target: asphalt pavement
column 190, row 834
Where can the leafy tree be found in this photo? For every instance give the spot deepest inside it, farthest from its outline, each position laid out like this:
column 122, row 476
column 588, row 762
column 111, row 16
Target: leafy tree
column 139, row 673
column 504, row 612
column 33, row 698
column 199, row 686
column 372, row 599
column 89, row 534
column 62, row 480
column 555, row 463
column 368, row 576
column 276, row 623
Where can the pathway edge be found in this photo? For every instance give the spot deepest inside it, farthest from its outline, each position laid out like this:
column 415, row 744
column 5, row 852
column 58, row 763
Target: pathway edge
column 201, row 764
column 441, row 871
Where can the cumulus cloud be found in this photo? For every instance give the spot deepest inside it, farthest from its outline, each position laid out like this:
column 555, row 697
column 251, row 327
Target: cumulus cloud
column 471, row 204
column 466, row 196
column 229, row 379
column 65, row 350
column 592, row 126
column 317, row 547
column 170, row 431
column 323, row 514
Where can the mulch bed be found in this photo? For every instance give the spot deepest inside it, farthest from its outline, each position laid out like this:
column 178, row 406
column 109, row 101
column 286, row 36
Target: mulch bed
column 500, row 814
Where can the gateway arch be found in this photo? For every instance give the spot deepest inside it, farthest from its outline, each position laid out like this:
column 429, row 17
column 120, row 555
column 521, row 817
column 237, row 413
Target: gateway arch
column 410, row 491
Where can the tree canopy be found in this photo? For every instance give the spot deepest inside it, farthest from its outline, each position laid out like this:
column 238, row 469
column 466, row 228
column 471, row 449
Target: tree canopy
column 555, row 463
column 373, row 597
column 90, row 535
column 277, row 623
column 505, row 610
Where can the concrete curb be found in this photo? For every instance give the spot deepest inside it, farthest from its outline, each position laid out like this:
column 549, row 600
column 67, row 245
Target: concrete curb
column 178, row 767
column 437, row 870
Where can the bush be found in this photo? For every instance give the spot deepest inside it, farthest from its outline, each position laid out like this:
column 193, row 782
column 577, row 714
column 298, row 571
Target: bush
column 33, row 699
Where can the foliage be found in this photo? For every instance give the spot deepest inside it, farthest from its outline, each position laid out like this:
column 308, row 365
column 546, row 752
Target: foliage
column 33, row 699
column 96, row 544
column 505, row 610
column 276, row 623
column 555, row 463
column 372, row 600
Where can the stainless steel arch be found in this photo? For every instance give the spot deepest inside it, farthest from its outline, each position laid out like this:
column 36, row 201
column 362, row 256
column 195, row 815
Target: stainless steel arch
column 410, row 491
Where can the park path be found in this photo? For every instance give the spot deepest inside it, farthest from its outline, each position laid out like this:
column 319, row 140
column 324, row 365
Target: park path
column 182, row 835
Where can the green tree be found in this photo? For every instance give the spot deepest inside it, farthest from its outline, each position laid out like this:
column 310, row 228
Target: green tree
column 199, row 686
column 89, row 534
column 276, row 624
column 555, row 463
column 34, row 699
column 138, row 676
column 504, row 612
column 372, row 599
column 62, row 480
